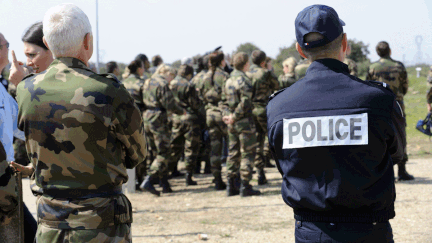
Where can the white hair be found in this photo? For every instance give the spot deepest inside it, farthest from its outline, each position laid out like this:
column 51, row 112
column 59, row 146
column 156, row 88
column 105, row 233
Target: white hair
column 64, row 29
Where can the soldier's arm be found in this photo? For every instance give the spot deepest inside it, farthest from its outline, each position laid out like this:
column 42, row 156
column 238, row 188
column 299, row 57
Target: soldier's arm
column 273, row 81
column 245, row 104
column 129, row 128
column 404, row 81
column 168, row 101
column 194, row 101
column 369, row 74
column 8, row 196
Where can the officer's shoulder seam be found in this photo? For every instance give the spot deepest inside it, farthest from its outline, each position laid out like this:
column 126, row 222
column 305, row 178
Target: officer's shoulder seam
column 276, row 93
column 110, row 76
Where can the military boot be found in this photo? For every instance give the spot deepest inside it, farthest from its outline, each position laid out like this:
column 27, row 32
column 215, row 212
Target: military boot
column 262, row 180
column 219, row 184
column 166, row 188
column 147, row 185
column 189, row 181
column 267, row 162
column 247, row 190
column 231, row 188
column 403, row 174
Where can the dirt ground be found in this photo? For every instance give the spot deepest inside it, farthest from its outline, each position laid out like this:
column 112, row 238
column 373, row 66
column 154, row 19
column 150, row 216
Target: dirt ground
column 192, row 211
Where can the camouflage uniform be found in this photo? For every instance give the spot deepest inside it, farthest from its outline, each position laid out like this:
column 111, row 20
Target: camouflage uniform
column 158, row 98
column 242, row 133
column 301, row 68
column 429, row 80
column 286, row 80
column 352, row 66
column 8, row 195
column 394, row 74
column 264, row 83
column 186, row 130
column 205, row 150
column 211, row 93
column 134, row 84
column 83, row 131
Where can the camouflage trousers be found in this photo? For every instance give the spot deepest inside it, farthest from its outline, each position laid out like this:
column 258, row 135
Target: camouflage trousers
column 241, row 148
column 405, row 158
column 205, row 149
column 115, row 234
column 262, row 147
column 158, row 131
column 20, row 152
column 217, row 131
column 186, row 134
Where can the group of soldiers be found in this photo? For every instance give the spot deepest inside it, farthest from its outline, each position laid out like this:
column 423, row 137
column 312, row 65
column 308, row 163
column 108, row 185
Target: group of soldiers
column 215, row 104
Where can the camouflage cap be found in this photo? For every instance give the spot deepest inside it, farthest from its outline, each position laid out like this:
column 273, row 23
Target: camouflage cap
column 320, row 19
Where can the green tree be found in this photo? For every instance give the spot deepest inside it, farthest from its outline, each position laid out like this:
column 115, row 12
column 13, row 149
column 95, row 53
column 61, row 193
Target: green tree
column 176, row 64
column 359, row 51
column 247, row 47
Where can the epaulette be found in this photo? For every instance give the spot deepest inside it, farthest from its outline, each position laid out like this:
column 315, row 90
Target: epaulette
column 382, row 84
column 110, row 76
column 275, row 93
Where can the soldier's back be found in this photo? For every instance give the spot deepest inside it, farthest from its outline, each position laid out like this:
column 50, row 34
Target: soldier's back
column 212, row 88
column 134, row 85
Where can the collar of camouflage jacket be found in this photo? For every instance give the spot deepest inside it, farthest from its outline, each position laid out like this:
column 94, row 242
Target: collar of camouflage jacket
column 70, row 62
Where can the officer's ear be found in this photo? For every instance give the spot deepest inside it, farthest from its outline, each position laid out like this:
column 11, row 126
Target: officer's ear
column 300, row 51
column 344, row 43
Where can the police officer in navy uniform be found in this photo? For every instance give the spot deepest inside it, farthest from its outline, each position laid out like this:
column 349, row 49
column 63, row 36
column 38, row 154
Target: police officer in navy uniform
column 335, row 139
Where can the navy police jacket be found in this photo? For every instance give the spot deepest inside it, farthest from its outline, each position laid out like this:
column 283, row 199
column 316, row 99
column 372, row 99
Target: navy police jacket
column 335, row 139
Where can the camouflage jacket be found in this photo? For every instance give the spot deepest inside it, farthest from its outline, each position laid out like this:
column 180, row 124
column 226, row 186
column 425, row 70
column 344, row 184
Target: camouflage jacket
column 83, row 130
column 158, row 96
column 264, row 84
column 301, row 68
column 186, row 93
column 134, row 84
column 238, row 92
column 391, row 72
column 8, row 195
column 352, row 66
column 212, row 90
column 286, row 80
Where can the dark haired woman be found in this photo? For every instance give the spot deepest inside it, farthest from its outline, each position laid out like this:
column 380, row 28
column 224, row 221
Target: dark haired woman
column 211, row 92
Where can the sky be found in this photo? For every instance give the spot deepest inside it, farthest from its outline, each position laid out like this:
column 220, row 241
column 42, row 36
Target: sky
column 183, row 28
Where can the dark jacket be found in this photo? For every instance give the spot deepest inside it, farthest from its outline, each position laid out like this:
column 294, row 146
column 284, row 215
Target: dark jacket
column 324, row 179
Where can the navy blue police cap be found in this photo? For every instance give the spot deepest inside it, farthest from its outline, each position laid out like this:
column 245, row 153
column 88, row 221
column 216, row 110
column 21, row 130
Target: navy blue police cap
column 320, row 19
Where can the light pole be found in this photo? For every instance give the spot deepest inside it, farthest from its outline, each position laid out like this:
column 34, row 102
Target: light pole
column 97, row 38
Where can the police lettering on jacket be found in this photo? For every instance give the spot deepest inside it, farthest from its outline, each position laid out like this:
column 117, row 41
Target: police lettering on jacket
column 325, row 131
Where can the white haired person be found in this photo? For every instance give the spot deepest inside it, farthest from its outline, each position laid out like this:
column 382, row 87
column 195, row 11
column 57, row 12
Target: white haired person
column 82, row 132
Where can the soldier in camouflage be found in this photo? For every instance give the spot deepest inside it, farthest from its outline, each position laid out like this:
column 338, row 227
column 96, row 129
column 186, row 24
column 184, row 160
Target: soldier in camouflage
column 241, row 128
column 352, row 65
column 204, row 152
column 83, row 130
column 8, row 195
column 134, row 84
column 211, row 91
column 159, row 99
column 394, row 74
column 264, row 83
column 186, row 129
column 301, row 68
column 429, row 93
column 288, row 78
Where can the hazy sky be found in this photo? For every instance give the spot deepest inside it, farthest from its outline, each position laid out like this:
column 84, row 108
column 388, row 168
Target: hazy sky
column 179, row 28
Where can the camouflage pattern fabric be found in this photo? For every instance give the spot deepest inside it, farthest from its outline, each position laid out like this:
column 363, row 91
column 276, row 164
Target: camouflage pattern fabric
column 242, row 134
column 352, row 66
column 286, row 80
column 158, row 98
column 301, row 68
column 8, row 195
column 392, row 73
column 264, row 84
column 429, row 77
column 211, row 93
column 83, row 130
column 186, row 130
column 134, row 85
column 429, row 80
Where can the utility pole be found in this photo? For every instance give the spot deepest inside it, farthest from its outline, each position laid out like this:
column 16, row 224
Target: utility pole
column 97, row 38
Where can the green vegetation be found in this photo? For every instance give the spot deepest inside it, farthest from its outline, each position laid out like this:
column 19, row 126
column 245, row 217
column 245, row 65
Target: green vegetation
column 415, row 108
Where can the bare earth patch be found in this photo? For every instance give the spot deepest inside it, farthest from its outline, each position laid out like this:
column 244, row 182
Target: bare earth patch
column 190, row 211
